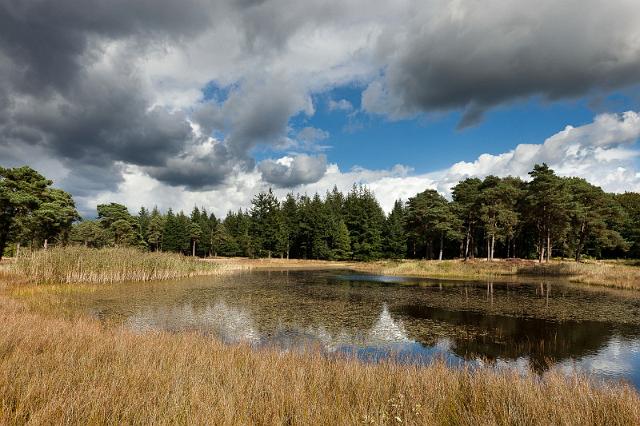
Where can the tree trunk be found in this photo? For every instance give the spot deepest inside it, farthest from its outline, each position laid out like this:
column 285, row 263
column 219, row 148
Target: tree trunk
column 193, row 249
column 17, row 250
column 580, row 244
column 467, row 240
column 508, row 247
column 46, row 243
column 488, row 249
column 548, row 245
column 493, row 245
column 441, row 246
column 541, row 249
column 3, row 243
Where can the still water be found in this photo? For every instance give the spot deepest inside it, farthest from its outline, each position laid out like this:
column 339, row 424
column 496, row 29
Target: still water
column 541, row 325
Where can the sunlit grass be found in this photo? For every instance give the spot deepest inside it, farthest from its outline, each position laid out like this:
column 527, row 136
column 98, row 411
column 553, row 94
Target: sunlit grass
column 85, row 265
column 610, row 274
column 78, row 372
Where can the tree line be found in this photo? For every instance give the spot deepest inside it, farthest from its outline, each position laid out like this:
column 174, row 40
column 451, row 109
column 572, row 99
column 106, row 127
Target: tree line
column 547, row 216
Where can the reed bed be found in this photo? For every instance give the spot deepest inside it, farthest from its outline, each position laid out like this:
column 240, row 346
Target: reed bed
column 62, row 265
column 57, row 371
column 608, row 274
column 441, row 269
column 611, row 274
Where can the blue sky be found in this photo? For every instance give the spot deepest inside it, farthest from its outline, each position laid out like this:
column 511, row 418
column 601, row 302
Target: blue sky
column 431, row 142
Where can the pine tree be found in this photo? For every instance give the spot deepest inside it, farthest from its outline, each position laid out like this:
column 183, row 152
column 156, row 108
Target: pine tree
column 364, row 219
column 395, row 235
column 195, row 233
column 143, row 220
column 466, row 205
column 547, row 207
column 155, row 230
column 431, row 217
column 590, row 211
column 291, row 221
column 498, row 201
column 171, row 233
column 267, row 226
column 342, row 243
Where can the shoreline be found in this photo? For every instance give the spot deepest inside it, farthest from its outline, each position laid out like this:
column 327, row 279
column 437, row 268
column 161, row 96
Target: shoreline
column 77, row 370
column 599, row 274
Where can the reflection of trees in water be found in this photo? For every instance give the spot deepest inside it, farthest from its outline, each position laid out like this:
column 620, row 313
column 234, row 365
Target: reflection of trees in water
column 481, row 319
column 226, row 322
column 234, row 324
column 497, row 336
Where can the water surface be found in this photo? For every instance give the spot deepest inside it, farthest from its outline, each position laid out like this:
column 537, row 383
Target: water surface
column 542, row 325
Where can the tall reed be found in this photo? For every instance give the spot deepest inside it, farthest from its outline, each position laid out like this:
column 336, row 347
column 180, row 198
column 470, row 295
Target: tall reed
column 85, row 265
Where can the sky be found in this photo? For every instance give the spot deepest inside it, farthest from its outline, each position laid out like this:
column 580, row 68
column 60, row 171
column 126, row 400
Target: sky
column 208, row 102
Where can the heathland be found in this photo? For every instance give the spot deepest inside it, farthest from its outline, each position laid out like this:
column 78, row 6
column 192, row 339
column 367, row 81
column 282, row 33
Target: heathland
column 77, row 370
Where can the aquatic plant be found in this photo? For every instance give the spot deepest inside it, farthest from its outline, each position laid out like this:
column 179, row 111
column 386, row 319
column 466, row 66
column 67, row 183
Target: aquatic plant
column 86, row 265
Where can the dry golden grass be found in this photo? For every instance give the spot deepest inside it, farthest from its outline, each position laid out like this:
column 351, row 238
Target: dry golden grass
column 54, row 371
column 609, row 274
column 441, row 269
column 85, row 265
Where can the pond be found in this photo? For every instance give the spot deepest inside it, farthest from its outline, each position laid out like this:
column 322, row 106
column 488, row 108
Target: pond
column 540, row 325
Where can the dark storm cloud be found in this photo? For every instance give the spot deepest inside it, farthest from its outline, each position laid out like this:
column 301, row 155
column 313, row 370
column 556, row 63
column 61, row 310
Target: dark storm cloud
column 488, row 53
column 301, row 169
column 197, row 170
column 261, row 114
column 57, row 95
column 47, row 39
column 73, row 88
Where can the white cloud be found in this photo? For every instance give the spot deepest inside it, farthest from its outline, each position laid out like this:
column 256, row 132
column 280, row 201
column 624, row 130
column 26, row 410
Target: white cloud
column 292, row 171
column 602, row 152
column 340, row 105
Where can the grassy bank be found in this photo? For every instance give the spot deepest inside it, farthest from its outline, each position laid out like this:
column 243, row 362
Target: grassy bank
column 610, row 274
column 84, row 265
column 80, row 372
column 78, row 264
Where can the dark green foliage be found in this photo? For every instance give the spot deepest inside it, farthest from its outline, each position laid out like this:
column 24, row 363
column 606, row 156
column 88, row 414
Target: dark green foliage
column 629, row 224
column 142, row 221
column 31, row 211
column 121, row 228
column 342, row 243
column 364, row 219
column 498, row 202
column 592, row 212
column 89, row 233
column 548, row 206
column 171, row 233
column 155, row 230
column 237, row 227
column 505, row 217
column 395, row 234
column 266, row 228
column 431, row 218
column 466, row 205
